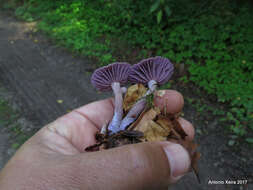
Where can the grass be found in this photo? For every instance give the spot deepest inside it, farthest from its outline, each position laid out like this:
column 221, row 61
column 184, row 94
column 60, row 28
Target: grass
column 214, row 41
column 7, row 115
column 8, row 120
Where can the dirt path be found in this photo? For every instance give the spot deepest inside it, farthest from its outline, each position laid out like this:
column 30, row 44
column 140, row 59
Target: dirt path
column 47, row 81
column 41, row 75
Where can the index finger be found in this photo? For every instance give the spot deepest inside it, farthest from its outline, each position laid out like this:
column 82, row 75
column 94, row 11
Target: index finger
column 99, row 112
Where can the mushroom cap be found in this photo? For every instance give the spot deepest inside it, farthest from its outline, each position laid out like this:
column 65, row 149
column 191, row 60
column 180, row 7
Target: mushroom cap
column 103, row 77
column 155, row 68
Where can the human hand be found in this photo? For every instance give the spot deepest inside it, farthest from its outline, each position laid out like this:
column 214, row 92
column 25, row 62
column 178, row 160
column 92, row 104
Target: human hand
column 54, row 158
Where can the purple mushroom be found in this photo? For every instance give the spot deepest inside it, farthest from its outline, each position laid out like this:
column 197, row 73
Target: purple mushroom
column 152, row 72
column 110, row 78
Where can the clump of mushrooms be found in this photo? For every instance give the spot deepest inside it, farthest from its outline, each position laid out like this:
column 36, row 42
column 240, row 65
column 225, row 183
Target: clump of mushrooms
column 108, row 78
column 151, row 72
column 141, row 123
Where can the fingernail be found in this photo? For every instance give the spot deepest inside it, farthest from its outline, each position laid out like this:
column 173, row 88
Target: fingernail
column 178, row 159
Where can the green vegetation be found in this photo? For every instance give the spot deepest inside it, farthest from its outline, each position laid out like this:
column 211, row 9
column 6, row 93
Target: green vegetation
column 213, row 38
column 8, row 119
column 19, row 135
column 7, row 115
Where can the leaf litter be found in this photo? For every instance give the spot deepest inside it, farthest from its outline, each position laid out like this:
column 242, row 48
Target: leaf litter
column 151, row 125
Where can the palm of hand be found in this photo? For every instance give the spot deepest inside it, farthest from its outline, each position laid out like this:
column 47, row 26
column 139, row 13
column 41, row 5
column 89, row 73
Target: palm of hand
column 54, row 158
column 75, row 131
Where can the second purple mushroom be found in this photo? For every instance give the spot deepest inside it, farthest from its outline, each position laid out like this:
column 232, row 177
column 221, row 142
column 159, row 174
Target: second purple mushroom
column 151, row 72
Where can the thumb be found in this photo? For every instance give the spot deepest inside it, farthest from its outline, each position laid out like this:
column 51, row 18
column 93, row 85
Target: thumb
column 137, row 166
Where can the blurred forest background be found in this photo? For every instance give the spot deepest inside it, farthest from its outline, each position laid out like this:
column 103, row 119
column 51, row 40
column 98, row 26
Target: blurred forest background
column 212, row 40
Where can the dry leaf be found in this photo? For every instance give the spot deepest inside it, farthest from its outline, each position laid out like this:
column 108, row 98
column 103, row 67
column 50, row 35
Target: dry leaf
column 195, row 158
column 179, row 129
column 165, row 123
column 149, row 115
column 136, row 122
column 154, row 132
column 134, row 93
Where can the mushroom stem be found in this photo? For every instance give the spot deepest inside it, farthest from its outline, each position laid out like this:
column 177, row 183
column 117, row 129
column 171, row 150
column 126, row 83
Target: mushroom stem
column 118, row 109
column 152, row 84
column 138, row 107
column 124, row 90
column 133, row 113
